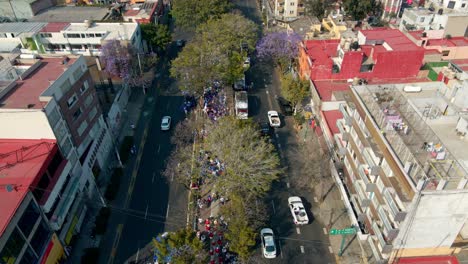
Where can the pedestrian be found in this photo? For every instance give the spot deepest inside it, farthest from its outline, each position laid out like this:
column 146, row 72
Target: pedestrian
column 200, row 220
column 221, row 200
column 211, row 235
column 220, row 241
column 424, row 146
column 132, row 126
column 217, row 250
column 207, row 221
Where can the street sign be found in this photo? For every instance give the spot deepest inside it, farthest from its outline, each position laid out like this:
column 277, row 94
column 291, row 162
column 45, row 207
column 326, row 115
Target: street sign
column 346, row 231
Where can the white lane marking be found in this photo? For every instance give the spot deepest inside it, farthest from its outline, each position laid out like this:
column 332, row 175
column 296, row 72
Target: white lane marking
column 325, row 231
column 302, row 250
column 273, row 204
column 276, row 135
column 146, row 212
column 167, row 211
column 330, row 249
column 287, row 184
column 315, row 199
column 298, row 230
column 154, row 174
column 172, row 177
column 281, row 250
column 279, row 145
column 159, row 148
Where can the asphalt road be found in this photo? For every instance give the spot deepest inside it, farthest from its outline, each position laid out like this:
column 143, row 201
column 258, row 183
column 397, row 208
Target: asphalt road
column 296, row 244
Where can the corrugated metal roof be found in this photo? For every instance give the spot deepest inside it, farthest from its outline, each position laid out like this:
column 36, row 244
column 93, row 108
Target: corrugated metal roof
column 21, row 27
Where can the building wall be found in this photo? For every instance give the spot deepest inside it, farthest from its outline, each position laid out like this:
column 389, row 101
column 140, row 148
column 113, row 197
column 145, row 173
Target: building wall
column 453, row 52
column 457, row 26
column 28, row 224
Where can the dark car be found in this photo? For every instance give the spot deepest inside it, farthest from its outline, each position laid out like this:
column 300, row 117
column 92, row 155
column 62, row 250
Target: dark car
column 286, row 106
column 265, row 128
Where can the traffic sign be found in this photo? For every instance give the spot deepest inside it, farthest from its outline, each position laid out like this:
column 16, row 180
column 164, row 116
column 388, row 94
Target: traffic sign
column 346, row 231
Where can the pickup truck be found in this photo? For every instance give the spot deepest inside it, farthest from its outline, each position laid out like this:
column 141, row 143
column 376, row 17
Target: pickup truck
column 274, row 119
column 298, row 211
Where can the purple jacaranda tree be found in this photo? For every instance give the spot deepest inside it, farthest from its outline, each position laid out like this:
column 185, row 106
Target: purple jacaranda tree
column 281, row 47
column 117, row 60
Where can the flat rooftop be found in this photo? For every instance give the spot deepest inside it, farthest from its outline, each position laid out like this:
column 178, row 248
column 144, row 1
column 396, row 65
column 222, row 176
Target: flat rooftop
column 123, row 30
column 19, row 174
column 71, row 14
column 21, row 27
column 27, row 91
column 420, row 114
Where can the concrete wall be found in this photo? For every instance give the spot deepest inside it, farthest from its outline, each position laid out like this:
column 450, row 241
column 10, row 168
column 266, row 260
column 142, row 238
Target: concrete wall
column 436, row 219
column 457, row 26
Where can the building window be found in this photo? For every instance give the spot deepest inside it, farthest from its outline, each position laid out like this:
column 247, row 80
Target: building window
column 88, row 100
column 72, row 100
column 66, row 147
column 292, row 3
column 77, row 74
column 12, row 247
column 445, row 52
column 66, row 85
column 89, row 35
column 421, row 20
column 92, row 113
column 463, row 5
column 77, row 114
column 84, row 87
column 41, row 237
column 72, row 35
column 46, row 35
column 82, row 128
column 29, row 257
column 291, row 12
column 29, row 218
column 54, row 117
column 76, row 46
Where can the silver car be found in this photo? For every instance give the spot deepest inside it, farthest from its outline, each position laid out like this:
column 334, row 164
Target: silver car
column 166, row 123
column 268, row 243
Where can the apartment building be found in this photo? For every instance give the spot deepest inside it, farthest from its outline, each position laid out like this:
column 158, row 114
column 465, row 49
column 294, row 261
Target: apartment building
column 404, row 155
column 144, row 13
column 288, row 9
column 54, row 97
column 69, row 38
column 459, row 5
column 436, row 24
column 30, row 172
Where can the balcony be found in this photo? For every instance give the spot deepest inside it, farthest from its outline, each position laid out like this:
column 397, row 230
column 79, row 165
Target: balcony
column 395, row 205
column 363, row 199
column 364, row 173
column 344, row 131
column 346, row 112
column 372, row 160
column 64, row 204
column 384, row 247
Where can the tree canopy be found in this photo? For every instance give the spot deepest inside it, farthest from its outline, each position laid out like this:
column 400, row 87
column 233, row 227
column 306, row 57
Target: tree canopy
column 315, row 8
column 215, row 53
column 294, row 89
column 281, row 47
column 360, row 9
column 251, row 162
column 188, row 14
column 117, row 59
column 181, row 246
column 156, row 36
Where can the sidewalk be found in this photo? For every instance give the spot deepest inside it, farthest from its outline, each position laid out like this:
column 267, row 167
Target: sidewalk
column 332, row 211
column 130, row 115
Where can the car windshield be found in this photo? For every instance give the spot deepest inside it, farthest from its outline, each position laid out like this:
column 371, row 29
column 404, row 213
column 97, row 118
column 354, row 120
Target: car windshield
column 269, row 248
column 165, row 122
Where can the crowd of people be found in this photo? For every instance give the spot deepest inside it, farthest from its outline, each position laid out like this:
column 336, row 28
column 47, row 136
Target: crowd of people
column 214, row 103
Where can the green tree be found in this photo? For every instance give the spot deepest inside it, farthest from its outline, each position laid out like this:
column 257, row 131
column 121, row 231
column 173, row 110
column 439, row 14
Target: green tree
column 359, row 9
column 315, row 8
column 215, row 53
column 156, row 36
column 240, row 233
column 182, row 246
column 251, row 162
column 188, row 14
column 294, row 89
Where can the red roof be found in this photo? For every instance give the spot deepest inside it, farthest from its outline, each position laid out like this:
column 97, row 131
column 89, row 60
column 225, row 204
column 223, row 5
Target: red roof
column 325, row 89
column 330, row 118
column 429, row 260
column 132, row 12
column 26, row 93
column 453, row 42
column 21, row 162
column 461, row 63
column 417, row 34
column 54, row 27
column 393, row 37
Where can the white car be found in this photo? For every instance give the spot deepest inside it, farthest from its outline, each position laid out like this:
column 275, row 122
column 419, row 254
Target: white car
column 298, row 211
column 247, row 63
column 274, row 119
column 268, row 243
column 166, row 123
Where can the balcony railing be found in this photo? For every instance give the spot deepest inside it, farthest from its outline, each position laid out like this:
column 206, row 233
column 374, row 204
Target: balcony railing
column 386, row 248
column 364, row 172
column 397, row 213
column 66, row 201
column 362, row 196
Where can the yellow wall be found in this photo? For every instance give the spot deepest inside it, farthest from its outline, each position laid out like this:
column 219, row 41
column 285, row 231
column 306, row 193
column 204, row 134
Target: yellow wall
column 56, row 253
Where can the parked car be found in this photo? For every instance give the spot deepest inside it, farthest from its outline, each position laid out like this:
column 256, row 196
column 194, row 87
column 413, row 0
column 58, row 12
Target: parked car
column 268, row 243
column 166, row 123
column 264, row 128
column 274, row 119
column 286, row 106
column 247, row 63
column 180, row 42
column 298, row 210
